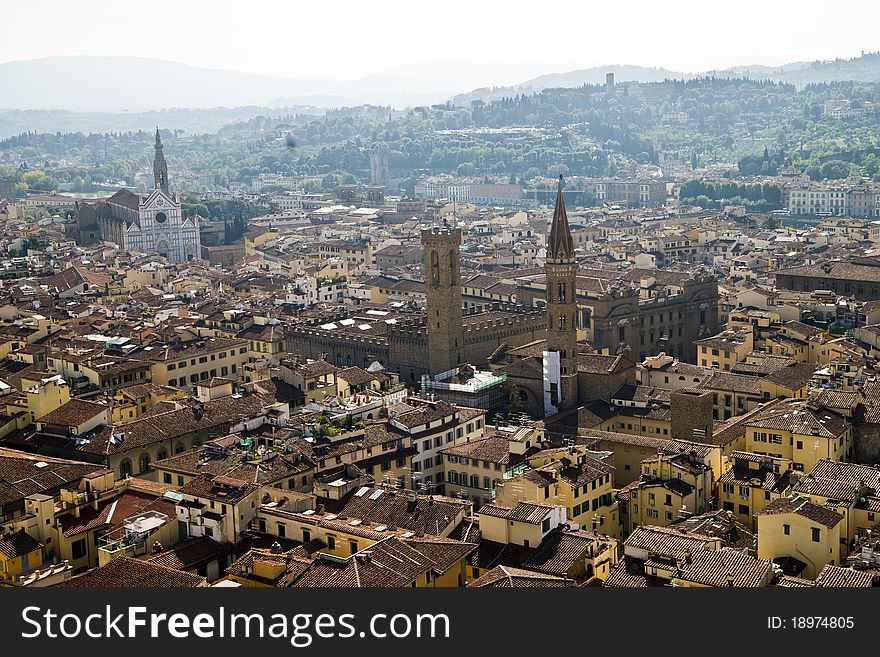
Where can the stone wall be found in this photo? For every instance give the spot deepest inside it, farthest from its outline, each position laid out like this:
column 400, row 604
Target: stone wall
column 866, row 443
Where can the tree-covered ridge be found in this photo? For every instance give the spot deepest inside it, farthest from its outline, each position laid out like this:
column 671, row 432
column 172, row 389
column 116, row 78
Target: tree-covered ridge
column 759, row 127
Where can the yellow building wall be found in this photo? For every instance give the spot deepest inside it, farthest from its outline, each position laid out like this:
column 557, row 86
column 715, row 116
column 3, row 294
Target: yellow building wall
column 606, row 517
column 161, row 374
column 15, row 566
column 773, row 542
column 803, row 450
column 43, row 398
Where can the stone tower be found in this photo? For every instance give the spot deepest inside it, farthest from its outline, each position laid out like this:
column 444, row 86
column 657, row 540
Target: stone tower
column 560, row 268
column 443, row 284
column 379, row 171
column 160, row 167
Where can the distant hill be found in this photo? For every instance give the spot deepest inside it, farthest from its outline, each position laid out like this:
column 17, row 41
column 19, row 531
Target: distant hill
column 858, row 69
column 757, row 71
column 81, row 91
column 141, row 84
column 191, row 121
column 865, row 68
column 594, row 75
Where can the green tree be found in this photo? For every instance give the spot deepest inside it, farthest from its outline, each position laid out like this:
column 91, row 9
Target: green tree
column 772, row 222
column 330, row 182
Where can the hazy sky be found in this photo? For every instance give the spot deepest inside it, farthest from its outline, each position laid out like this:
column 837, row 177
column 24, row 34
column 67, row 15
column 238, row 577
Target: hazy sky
column 506, row 40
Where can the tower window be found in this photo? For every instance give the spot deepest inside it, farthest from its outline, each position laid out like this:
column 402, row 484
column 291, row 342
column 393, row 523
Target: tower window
column 435, row 268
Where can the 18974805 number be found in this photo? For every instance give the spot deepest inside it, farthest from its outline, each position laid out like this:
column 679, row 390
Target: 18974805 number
column 811, row 623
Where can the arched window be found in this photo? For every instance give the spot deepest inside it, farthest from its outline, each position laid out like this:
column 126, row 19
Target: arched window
column 562, row 322
column 435, row 268
column 178, row 448
column 561, row 292
column 125, row 468
column 144, row 464
column 162, row 454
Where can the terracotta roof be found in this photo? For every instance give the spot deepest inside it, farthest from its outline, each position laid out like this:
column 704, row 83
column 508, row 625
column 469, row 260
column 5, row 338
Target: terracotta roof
column 667, row 542
column 528, row 512
column 493, row 448
column 188, row 349
column 429, row 514
column 724, row 567
column 125, row 572
column 800, row 417
column 16, row 544
column 73, row 413
column 630, row 573
column 601, row 364
column 23, row 474
column 561, row 551
column 843, row 482
column 191, row 553
column 508, row 577
column 391, row 562
column 172, row 423
column 835, row 576
column 802, row 506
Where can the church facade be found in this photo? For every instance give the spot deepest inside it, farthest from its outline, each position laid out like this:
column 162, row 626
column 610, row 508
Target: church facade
column 154, row 223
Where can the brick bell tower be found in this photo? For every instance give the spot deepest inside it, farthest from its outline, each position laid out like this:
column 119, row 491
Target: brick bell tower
column 442, row 269
column 560, row 269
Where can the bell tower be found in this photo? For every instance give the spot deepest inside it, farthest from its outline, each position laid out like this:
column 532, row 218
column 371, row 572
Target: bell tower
column 442, row 270
column 560, row 269
column 160, row 167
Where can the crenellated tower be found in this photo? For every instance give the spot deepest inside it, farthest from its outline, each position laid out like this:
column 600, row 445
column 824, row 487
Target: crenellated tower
column 442, row 270
column 560, row 269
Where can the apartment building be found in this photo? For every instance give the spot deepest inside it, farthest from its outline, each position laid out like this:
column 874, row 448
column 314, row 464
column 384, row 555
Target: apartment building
column 751, row 482
column 800, row 432
column 185, row 363
column 670, row 487
column 572, row 478
column 801, row 536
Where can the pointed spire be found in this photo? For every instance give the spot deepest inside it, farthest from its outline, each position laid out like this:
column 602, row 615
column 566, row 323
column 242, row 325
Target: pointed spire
column 560, row 245
column 160, row 167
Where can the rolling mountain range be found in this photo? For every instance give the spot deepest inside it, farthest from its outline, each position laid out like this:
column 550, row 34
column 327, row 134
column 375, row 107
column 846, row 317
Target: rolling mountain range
column 130, row 93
